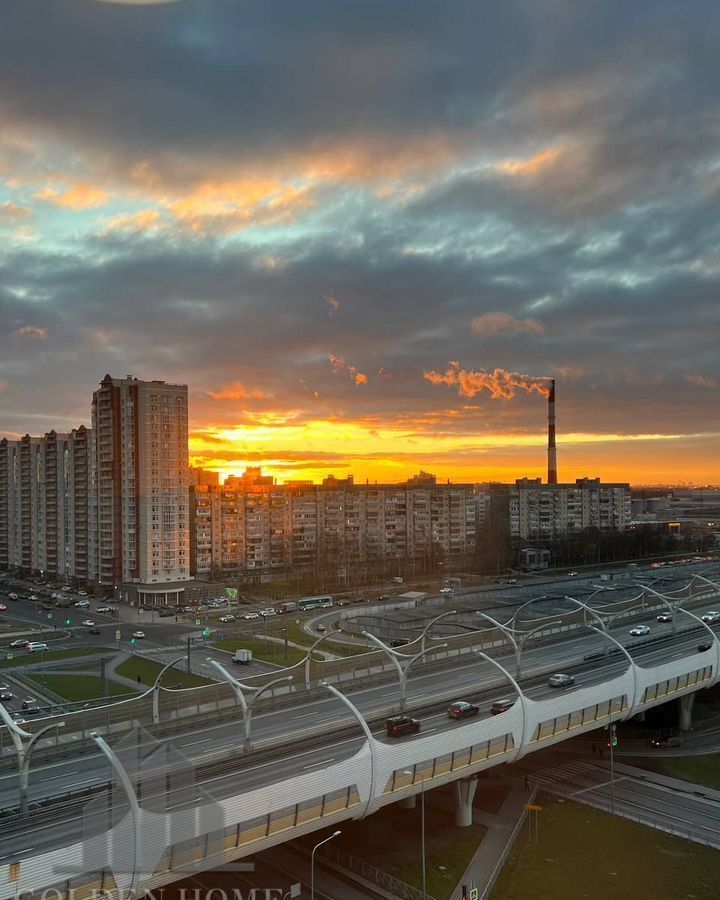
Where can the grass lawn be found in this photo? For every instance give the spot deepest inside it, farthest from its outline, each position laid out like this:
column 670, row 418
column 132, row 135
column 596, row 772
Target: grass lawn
column 79, row 687
column 46, row 636
column 697, row 769
column 33, row 659
column 148, row 669
column 265, row 650
column 390, row 840
column 585, row 853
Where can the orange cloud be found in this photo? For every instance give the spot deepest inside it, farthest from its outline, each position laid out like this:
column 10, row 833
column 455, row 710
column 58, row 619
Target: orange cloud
column 11, row 212
column 236, row 390
column 31, row 331
column 143, row 220
column 500, row 384
column 503, row 323
column 79, row 196
column 339, row 365
column 527, row 168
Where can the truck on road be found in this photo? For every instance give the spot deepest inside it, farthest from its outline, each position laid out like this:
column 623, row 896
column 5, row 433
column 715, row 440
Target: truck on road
column 242, row 657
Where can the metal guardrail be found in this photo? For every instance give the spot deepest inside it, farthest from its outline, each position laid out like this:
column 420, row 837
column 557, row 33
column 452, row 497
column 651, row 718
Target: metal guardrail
column 376, row 876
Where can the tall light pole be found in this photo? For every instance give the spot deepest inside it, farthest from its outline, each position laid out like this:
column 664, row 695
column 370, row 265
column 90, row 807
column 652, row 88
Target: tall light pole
column 312, row 861
column 422, row 831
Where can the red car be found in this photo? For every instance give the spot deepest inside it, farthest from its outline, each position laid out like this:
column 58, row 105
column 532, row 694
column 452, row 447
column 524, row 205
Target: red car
column 501, row 706
column 400, row 725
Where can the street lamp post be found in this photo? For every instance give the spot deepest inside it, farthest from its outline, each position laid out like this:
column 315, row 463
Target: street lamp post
column 402, row 663
column 312, row 861
column 423, row 858
column 24, row 743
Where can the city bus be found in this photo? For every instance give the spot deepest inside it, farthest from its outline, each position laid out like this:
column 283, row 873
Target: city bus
column 322, row 601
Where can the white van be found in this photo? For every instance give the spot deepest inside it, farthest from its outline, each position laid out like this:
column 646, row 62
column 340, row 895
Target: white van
column 36, row 647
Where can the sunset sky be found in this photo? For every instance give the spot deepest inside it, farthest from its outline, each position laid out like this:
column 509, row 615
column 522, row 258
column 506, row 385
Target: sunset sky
column 332, row 217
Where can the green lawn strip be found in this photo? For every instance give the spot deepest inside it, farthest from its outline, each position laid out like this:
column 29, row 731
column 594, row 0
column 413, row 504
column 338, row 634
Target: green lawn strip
column 295, row 634
column 269, row 651
column 585, row 853
column 391, row 841
column 696, row 769
column 34, row 659
column 79, row 687
column 45, row 636
column 147, row 670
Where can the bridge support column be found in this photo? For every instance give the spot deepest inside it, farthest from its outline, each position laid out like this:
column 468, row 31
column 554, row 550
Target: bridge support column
column 685, row 705
column 408, row 802
column 464, row 796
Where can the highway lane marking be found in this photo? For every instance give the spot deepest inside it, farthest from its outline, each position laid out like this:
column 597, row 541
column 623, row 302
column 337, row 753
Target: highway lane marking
column 319, row 763
column 62, row 775
column 596, row 787
column 192, row 743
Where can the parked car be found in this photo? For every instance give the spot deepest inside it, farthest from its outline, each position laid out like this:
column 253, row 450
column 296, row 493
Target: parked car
column 664, row 617
column 164, row 613
column 703, row 647
column 501, row 706
column 19, row 642
column 446, row 590
column 560, row 679
column 268, row 611
column 640, row 630
column 138, row 634
column 82, row 604
column 397, row 726
column 226, row 619
column 94, row 630
column 104, row 609
column 461, row 709
column 251, row 615
column 12, row 596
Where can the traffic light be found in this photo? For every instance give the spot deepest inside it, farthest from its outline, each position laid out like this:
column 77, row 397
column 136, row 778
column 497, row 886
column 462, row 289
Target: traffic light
column 132, row 640
column 206, row 633
column 67, row 621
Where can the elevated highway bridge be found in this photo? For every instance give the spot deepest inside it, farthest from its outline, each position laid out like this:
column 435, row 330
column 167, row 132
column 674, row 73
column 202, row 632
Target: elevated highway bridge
column 104, row 814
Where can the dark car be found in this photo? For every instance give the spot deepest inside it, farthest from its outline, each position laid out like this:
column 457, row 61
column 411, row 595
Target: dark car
column 666, row 742
column 94, row 630
column 397, row 726
column 166, row 612
column 461, row 709
column 5, row 694
column 501, row 706
column 703, row 647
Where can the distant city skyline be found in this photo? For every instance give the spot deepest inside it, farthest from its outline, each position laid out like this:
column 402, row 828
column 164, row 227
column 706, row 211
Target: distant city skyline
column 334, row 223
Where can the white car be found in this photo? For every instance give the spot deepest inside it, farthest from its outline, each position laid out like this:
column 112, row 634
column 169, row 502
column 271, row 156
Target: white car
column 82, row 604
column 251, row 616
column 560, row 679
column 138, row 634
column 104, row 609
column 711, row 616
column 640, row 630
column 88, row 623
column 268, row 611
column 446, row 590
column 226, row 619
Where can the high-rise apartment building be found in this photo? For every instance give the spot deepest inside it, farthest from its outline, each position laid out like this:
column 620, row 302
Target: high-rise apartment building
column 44, row 503
column 141, row 518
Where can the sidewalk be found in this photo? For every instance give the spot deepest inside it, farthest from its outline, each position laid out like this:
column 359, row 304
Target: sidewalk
column 500, row 827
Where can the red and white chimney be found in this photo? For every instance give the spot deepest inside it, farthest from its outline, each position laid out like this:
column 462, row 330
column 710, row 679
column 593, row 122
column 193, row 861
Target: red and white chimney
column 552, row 477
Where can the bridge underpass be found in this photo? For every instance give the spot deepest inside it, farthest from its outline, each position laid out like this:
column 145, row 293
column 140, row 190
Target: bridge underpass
column 246, row 802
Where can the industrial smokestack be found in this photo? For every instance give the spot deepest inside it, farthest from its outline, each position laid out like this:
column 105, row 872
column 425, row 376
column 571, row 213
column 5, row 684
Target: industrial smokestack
column 552, row 477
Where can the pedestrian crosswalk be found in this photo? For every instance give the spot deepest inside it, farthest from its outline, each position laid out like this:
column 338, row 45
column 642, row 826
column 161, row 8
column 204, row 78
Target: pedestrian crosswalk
column 574, row 770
